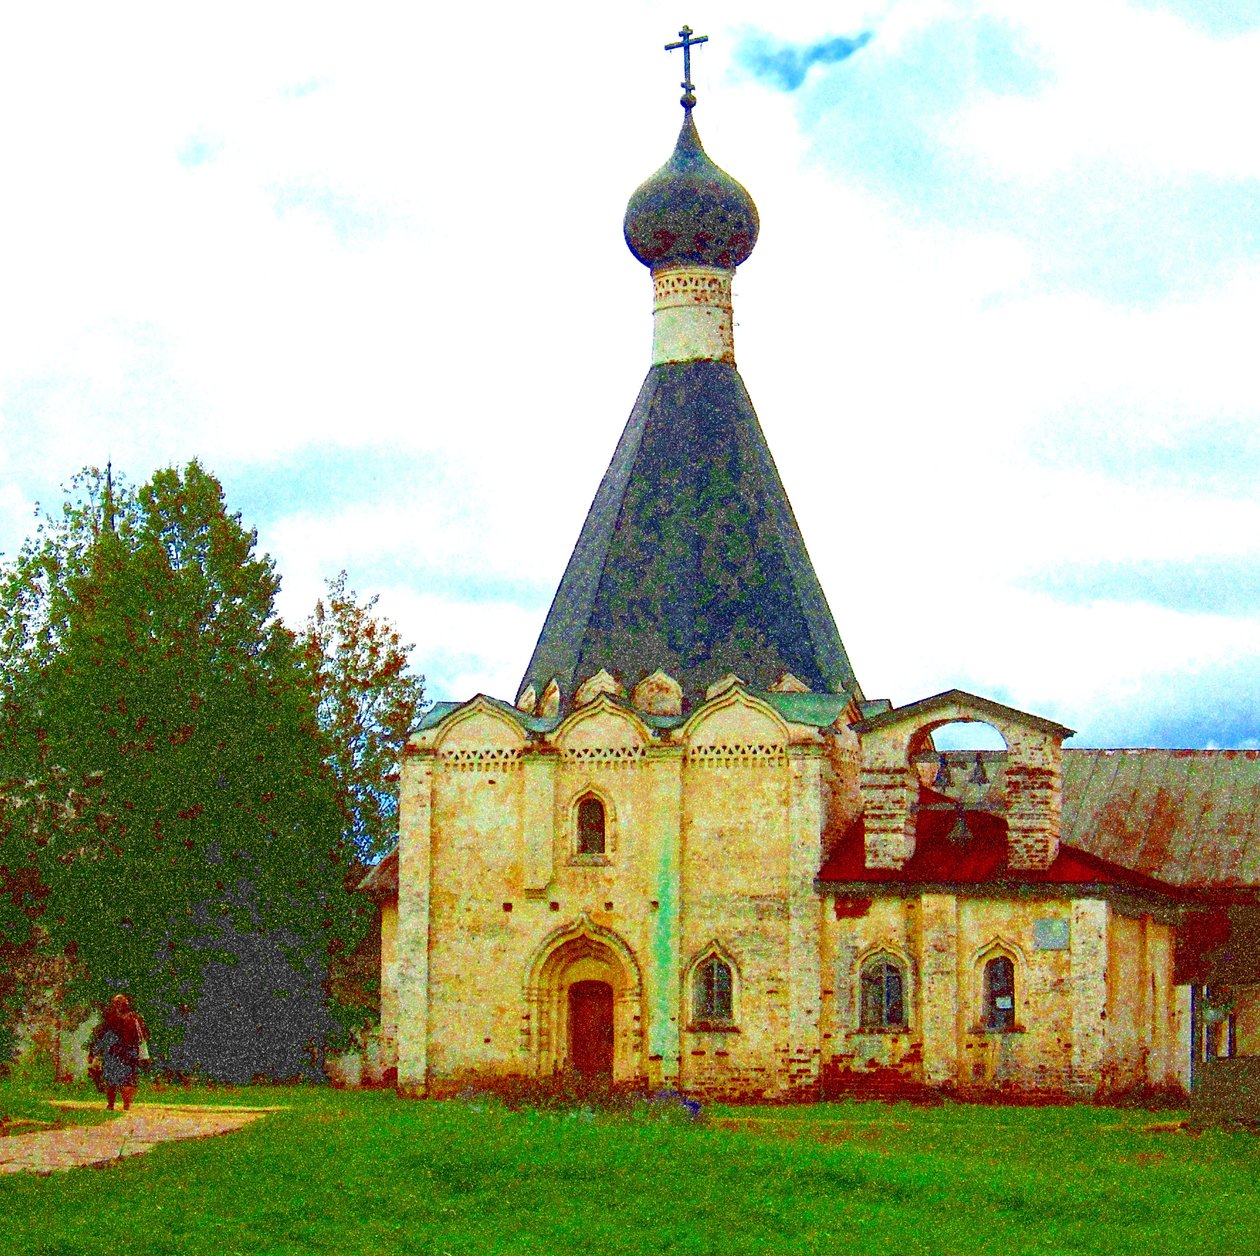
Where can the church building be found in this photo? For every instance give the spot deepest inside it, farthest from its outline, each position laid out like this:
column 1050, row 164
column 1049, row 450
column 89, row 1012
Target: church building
column 692, row 853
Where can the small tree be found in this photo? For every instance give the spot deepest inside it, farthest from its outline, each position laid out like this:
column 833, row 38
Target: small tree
column 368, row 706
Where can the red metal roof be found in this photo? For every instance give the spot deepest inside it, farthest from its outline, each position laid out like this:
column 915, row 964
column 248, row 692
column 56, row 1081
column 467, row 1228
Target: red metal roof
column 938, row 859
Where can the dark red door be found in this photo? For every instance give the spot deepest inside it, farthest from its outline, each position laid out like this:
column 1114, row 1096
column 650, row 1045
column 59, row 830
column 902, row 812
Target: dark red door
column 591, row 1027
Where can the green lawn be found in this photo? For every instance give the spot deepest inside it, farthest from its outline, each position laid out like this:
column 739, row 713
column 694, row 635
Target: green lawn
column 367, row 1172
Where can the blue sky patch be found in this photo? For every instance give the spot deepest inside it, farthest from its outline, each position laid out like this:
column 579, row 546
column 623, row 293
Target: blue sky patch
column 199, row 150
column 889, row 120
column 348, row 217
column 1215, row 17
column 305, row 87
column 785, row 65
column 1223, row 585
column 1218, row 455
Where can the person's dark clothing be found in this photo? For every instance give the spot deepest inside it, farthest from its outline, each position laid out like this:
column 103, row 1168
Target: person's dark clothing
column 117, row 1045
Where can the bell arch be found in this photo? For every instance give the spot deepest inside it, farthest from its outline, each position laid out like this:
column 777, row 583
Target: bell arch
column 582, row 953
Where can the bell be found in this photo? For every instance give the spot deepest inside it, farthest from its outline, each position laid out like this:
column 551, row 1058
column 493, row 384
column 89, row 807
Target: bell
column 960, row 834
column 978, row 775
column 942, row 779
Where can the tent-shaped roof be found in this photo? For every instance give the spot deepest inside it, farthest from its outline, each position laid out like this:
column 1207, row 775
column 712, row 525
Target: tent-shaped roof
column 691, row 559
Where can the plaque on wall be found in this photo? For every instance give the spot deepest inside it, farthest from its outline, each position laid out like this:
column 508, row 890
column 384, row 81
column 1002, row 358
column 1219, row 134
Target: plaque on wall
column 1050, row 933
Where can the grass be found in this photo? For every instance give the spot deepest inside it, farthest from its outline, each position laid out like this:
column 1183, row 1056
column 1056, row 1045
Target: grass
column 367, row 1172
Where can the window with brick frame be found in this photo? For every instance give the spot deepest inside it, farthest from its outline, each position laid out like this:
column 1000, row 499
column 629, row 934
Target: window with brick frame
column 999, row 993
column 882, row 990
column 713, row 989
column 591, row 827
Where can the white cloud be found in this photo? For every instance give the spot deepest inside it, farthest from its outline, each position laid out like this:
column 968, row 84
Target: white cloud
column 1133, row 86
column 252, row 235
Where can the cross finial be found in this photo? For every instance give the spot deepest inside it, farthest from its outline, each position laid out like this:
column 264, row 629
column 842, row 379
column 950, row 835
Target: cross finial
column 686, row 42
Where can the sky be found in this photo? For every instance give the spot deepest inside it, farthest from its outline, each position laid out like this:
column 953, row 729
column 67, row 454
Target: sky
column 366, row 263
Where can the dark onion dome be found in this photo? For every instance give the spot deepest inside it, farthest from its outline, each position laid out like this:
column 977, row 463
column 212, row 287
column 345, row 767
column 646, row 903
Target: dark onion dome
column 691, row 212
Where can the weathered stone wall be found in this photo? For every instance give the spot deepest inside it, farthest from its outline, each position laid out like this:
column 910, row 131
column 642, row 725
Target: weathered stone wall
column 713, row 834
column 389, row 985
column 1142, row 1045
column 1082, row 1023
column 735, row 891
column 1247, row 1020
column 886, row 1062
column 1036, row 1054
column 712, row 844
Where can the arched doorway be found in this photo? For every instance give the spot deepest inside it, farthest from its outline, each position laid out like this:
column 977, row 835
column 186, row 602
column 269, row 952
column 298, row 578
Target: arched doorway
column 591, row 1028
column 584, row 1005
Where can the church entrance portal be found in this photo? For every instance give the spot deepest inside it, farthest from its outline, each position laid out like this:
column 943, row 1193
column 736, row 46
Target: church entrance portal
column 584, row 1005
column 591, row 1028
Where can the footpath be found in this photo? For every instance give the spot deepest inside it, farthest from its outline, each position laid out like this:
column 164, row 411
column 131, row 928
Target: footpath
column 125, row 1134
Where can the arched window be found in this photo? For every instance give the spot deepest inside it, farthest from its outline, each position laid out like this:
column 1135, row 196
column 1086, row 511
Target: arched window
column 713, row 987
column 999, row 993
column 883, row 989
column 591, row 827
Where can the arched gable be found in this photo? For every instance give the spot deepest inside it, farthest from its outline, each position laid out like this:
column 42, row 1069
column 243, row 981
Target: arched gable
column 480, row 732
column 602, row 730
column 713, row 947
column 735, row 723
column 999, row 944
column 907, row 729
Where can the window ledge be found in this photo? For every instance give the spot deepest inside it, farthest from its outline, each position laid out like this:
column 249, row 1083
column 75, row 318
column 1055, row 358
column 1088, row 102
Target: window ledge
column 888, row 1031
column 590, row 861
column 712, row 1027
column 992, row 1029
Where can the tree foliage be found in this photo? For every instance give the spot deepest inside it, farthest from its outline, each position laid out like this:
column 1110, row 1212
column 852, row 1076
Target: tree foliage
column 149, row 676
column 368, row 704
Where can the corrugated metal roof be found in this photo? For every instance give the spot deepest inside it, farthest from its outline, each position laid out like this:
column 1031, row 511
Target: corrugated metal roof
column 1190, row 817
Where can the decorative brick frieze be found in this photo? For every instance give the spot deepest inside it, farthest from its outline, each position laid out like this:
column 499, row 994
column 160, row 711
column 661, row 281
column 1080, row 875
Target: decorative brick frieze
column 720, row 755
column 481, row 760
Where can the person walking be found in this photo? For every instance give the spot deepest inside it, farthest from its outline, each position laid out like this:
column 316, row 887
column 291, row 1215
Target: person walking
column 119, row 1044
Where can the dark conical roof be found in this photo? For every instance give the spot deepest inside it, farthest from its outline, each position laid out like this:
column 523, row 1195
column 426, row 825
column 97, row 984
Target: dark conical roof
column 690, row 559
column 691, row 212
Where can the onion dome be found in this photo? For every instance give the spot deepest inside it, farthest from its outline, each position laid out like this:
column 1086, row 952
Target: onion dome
column 691, row 212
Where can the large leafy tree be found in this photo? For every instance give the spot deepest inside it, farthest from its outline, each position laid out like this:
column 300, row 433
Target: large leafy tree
column 147, row 670
column 368, row 705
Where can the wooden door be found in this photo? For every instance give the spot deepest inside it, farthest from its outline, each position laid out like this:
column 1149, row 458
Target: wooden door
column 591, row 1027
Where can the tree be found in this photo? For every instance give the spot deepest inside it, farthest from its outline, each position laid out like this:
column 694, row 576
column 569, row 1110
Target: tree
column 147, row 669
column 368, row 705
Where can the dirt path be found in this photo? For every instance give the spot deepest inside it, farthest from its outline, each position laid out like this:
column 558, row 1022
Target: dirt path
column 127, row 1134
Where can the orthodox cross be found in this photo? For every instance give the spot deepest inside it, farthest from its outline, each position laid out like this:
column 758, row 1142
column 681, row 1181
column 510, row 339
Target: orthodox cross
column 686, row 43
